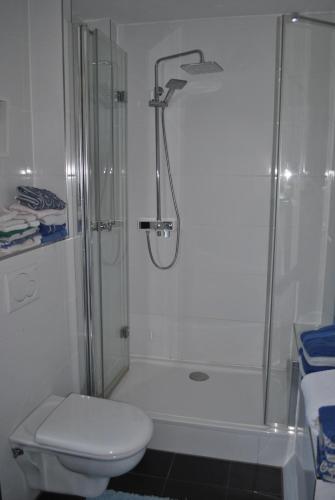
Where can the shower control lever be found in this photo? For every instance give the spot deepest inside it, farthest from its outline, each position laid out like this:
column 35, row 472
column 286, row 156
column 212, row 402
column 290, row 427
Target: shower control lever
column 160, row 226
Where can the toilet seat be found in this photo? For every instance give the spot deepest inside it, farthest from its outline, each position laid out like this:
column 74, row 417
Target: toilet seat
column 94, row 427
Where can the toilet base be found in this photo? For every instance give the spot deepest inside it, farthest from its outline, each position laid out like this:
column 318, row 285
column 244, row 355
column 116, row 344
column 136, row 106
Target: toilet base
column 44, row 472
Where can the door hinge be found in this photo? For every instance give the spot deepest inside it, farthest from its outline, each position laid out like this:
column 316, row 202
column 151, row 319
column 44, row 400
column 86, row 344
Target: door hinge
column 124, row 332
column 120, row 96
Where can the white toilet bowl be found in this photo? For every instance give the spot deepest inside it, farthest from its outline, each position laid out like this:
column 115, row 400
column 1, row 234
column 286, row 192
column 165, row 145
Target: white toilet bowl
column 74, row 445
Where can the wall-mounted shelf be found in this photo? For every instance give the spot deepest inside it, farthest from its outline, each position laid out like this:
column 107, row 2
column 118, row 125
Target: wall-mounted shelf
column 20, row 252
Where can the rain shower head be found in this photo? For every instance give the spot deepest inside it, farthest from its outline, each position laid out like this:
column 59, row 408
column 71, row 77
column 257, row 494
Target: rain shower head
column 172, row 85
column 202, row 67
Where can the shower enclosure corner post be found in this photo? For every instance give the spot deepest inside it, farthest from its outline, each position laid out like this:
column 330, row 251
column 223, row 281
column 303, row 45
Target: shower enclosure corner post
column 275, row 167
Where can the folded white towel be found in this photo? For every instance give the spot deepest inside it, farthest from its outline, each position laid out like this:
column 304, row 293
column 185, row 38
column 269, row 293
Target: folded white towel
column 318, row 390
column 324, row 490
column 16, row 225
column 27, row 217
column 6, row 215
column 50, row 220
column 31, row 243
column 38, row 213
column 319, row 360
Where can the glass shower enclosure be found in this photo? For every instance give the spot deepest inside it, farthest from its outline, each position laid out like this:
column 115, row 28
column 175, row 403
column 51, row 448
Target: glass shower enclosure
column 101, row 110
column 302, row 276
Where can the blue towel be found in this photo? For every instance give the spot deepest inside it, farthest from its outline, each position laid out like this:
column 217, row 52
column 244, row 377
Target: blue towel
column 319, row 343
column 53, row 228
column 52, row 237
column 39, row 199
column 325, row 469
column 312, row 368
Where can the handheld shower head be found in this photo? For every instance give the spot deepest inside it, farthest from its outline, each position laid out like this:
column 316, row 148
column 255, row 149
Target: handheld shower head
column 202, row 67
column 173, row 85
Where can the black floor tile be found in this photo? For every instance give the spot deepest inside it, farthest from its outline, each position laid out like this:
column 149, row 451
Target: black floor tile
column 199, row 470
column 183, row 490
column 57, row 496
column 137, row 483
column 269, row 481
column 268, row 496
column 242, row 476
column 154, row 463
column 239, row 495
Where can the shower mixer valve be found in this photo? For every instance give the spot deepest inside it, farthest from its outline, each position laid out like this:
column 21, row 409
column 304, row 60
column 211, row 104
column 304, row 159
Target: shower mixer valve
column 159, row 226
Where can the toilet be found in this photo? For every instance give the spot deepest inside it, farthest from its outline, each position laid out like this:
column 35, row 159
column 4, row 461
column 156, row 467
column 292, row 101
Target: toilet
column 74, row 445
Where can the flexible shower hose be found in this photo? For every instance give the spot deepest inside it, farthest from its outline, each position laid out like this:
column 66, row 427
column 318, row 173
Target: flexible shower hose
column 168, row 166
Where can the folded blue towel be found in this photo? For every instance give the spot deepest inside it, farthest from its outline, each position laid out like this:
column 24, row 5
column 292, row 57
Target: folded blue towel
column 53, row 228
column 312, row 368
column 52, row 237
column 325, row 469
column 39, row 199
column 314, row 333
column 319, row 343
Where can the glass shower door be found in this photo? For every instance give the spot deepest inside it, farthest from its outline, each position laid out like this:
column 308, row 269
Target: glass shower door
column 303, row 285
column 103, row 89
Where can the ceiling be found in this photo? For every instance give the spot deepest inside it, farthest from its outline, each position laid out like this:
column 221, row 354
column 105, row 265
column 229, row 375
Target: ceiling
column 141, row 11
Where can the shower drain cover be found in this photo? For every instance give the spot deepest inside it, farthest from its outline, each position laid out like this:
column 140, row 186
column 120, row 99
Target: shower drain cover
column 198, row 376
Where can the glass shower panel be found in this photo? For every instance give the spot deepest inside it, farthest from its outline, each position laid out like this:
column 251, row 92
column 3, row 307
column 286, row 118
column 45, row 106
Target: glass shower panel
column 111, row 79
column 303, row 289
column 103, row 97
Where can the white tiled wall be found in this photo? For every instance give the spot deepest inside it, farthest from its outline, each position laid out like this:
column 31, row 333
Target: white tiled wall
column 38, row 343
column 15, row 89
column 210, row 307
column 46, row 70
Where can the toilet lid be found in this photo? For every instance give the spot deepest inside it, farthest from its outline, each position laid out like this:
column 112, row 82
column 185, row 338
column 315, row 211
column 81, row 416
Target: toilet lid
column 95, row 427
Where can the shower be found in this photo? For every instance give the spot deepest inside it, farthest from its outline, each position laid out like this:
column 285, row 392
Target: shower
column 160, row 103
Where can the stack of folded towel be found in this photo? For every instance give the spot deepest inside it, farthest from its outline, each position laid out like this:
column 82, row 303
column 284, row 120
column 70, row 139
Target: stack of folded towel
column 317, row 350
column 18, row 231
column 326, row 444
column 47, row 208
column 37, row 217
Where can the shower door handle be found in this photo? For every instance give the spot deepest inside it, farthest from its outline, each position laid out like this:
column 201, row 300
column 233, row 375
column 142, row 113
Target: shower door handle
column 102, row 225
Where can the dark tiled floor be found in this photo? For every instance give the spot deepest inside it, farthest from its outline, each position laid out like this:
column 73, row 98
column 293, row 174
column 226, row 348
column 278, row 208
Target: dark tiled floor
column 187, row 477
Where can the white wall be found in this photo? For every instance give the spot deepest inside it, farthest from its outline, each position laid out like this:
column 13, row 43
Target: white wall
column 15, row 89
column 38, row 343
column 210, row 307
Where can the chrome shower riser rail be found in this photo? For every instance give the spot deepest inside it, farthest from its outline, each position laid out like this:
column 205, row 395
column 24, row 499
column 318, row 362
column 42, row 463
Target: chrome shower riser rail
column 157, row 94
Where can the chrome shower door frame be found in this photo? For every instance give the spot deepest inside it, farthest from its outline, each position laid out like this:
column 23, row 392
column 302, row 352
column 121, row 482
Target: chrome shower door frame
column 87, row 157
